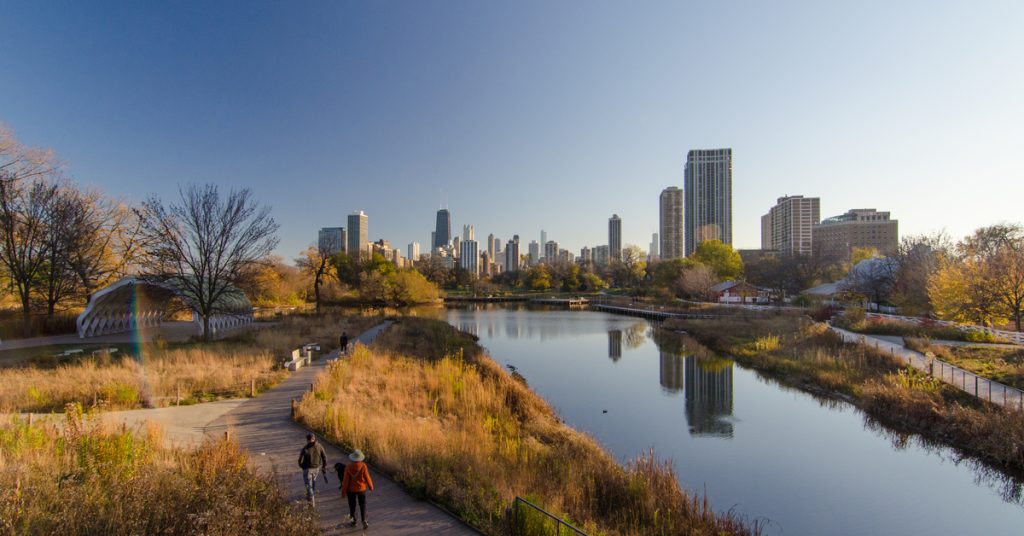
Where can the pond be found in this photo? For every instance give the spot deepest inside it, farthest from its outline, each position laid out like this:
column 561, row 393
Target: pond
column 771, row 453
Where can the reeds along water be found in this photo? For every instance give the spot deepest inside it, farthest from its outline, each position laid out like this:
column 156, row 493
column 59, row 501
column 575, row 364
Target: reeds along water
column 460, row 430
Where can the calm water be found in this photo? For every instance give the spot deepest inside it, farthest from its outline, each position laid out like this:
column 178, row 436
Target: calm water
column 767, row 451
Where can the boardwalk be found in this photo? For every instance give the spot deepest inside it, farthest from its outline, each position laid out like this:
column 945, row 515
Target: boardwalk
column 264, row 427
column 966, row 381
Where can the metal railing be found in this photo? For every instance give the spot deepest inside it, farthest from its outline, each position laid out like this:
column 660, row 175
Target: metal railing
column 532, row 520
column 965, row 380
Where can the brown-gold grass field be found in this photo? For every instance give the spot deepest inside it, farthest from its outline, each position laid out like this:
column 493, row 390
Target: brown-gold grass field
column 450, row 424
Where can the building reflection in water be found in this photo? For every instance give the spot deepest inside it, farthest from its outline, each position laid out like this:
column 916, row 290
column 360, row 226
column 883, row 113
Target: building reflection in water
column 708, row 392
column 615, row 344
column 671, row 371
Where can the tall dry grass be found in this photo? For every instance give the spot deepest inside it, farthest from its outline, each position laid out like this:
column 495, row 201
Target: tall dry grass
column 84, row 478
column 460, row 430
column 814, row 359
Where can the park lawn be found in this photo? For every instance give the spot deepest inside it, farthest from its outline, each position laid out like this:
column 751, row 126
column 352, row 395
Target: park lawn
column 1003, row 364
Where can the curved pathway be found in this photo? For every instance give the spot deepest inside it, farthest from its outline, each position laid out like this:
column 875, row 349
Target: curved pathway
column 263, row 426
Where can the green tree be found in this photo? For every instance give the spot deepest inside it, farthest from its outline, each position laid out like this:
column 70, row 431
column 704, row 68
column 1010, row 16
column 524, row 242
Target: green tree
column 592, row 282
column 539, row 278
column 410, row 286
column 571, row 279
column 720, row 258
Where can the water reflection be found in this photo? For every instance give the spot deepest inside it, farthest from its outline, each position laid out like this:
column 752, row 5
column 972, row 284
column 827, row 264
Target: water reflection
column 708, row 391
column 614, row 344
column 671, row 371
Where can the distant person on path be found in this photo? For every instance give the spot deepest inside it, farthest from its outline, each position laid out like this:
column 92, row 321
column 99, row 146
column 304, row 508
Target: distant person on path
column 343, row 343
column 354, row 485
column 312, row 460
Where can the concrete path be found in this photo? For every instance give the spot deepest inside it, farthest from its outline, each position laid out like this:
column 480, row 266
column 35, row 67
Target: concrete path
column 264, row 427
column 896, row 339
column 966, row 381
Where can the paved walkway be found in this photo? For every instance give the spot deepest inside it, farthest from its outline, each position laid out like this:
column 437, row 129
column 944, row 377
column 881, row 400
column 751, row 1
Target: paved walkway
column 263, row 426
column 964, row 380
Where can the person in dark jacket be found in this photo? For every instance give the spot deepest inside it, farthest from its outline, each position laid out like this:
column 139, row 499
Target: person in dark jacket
column 313, row 461
column 343, row 343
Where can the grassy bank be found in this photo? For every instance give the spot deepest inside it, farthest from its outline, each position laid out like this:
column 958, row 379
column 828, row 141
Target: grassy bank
column 804, row 354
column 1002, row 364
column 854, row 320
column 450, row 424
column 158, row 374
column 88, row 479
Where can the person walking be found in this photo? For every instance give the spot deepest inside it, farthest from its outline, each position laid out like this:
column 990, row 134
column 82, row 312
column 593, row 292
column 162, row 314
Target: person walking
column 343, row 343
column 312, row 460
column 354, row 486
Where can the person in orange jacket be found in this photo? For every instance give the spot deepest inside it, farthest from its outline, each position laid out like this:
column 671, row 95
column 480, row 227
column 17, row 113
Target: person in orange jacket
column 354, row 485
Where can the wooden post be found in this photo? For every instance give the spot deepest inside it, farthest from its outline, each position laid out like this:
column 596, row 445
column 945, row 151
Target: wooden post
column 310, row 388
column 95, row 398
column 227, row 435
column 252, row 388
column 293, row 408
column 30, row 419
column 177, row 394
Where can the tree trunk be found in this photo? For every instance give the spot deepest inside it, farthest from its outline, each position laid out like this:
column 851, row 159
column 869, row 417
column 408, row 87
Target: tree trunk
column 207, row 336
column 316, row 293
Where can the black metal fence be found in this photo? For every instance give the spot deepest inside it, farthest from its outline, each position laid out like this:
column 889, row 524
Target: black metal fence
column 532, row 520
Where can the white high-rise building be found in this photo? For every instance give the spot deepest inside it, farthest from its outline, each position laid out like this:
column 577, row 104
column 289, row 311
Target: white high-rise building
column 358, row 234
column 534, row 250
column 467, row 232
column 543, row 240
column 551, row 252
column 653, row 254
column 788, row 226
column 671, row 223
column 601, row 255
column 707, row 188
column 469, row 256
column 414, row 251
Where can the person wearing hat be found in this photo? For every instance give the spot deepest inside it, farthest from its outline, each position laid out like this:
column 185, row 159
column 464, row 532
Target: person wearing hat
column 354, row 485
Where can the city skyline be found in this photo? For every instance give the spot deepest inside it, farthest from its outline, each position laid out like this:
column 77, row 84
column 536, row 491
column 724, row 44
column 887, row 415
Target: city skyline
column 151, row 97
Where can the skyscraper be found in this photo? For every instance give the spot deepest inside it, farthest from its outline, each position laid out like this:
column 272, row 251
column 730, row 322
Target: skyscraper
column 601, row 255
column 615, row 237
column 492, row 246
column 788, row 225
column 443, row 230
column 512, row 255
column 534, row 249
column 543, row 240
column 551, row 252
column 331, row 240
column 357, row 233
column 414, row 251
column 707, row 188
column 654, row 254
column 671, row 223
column 467, row 232
column 469, row 256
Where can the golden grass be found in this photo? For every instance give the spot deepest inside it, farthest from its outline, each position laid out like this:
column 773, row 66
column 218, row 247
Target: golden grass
column 460, row 430
column 1002, row 364
column 85, row 478
column 162, row 376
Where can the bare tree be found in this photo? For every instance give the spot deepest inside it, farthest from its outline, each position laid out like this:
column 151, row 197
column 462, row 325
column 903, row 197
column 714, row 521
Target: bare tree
column 697, row 281
column 206, row 244
column 315, row 262
column 24, row 247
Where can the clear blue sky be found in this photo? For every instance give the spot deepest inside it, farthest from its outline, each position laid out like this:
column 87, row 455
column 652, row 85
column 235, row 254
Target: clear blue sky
column 526, row 114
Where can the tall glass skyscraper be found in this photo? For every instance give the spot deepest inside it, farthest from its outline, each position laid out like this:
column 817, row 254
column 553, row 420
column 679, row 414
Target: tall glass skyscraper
column 615, row 237
column 707, row 187
column 443, row 231
column 671, row 223
column 358, row 237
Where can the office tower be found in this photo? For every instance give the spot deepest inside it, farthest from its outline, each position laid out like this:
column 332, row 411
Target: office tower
column 332, row 240
column 834, row 238
column 534, row 250
column 512, row 254
column 707, row 192
column 433, row 240
column 469, row 256
column 443, row 229
column 671, row 223
column 492, row 246
column 543, row 239
column 653, row 253
column 565, row 256
column 551, row 251
column 486, row 268
column 357, row 233
column 586, row 256
column 456, row 246
column 414, row 251
column 615, row 237
column 601, row 255
column 788, row 226
column 467, row 232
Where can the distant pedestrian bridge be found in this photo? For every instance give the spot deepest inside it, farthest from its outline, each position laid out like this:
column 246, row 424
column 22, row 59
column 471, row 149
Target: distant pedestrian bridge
column 136, row 302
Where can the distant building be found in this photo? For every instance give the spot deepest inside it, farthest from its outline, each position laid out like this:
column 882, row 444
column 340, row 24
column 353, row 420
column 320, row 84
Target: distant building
column 469, row 256
column 565, row 256
column 543, row 241
column 671, row 223
column 601, row 256
column 615, row 237
column 534, row 252
column 788, row 226
column 653, row 252
column 512, row 255
column 414, row 251
column 493, row 245
column 358, row 222
column 586, row 256
column 467, row 232
column 443, row 231
column 456, row 247
column 707, row 189
column 834, row 238
column 332, row 240
column 551, row 252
